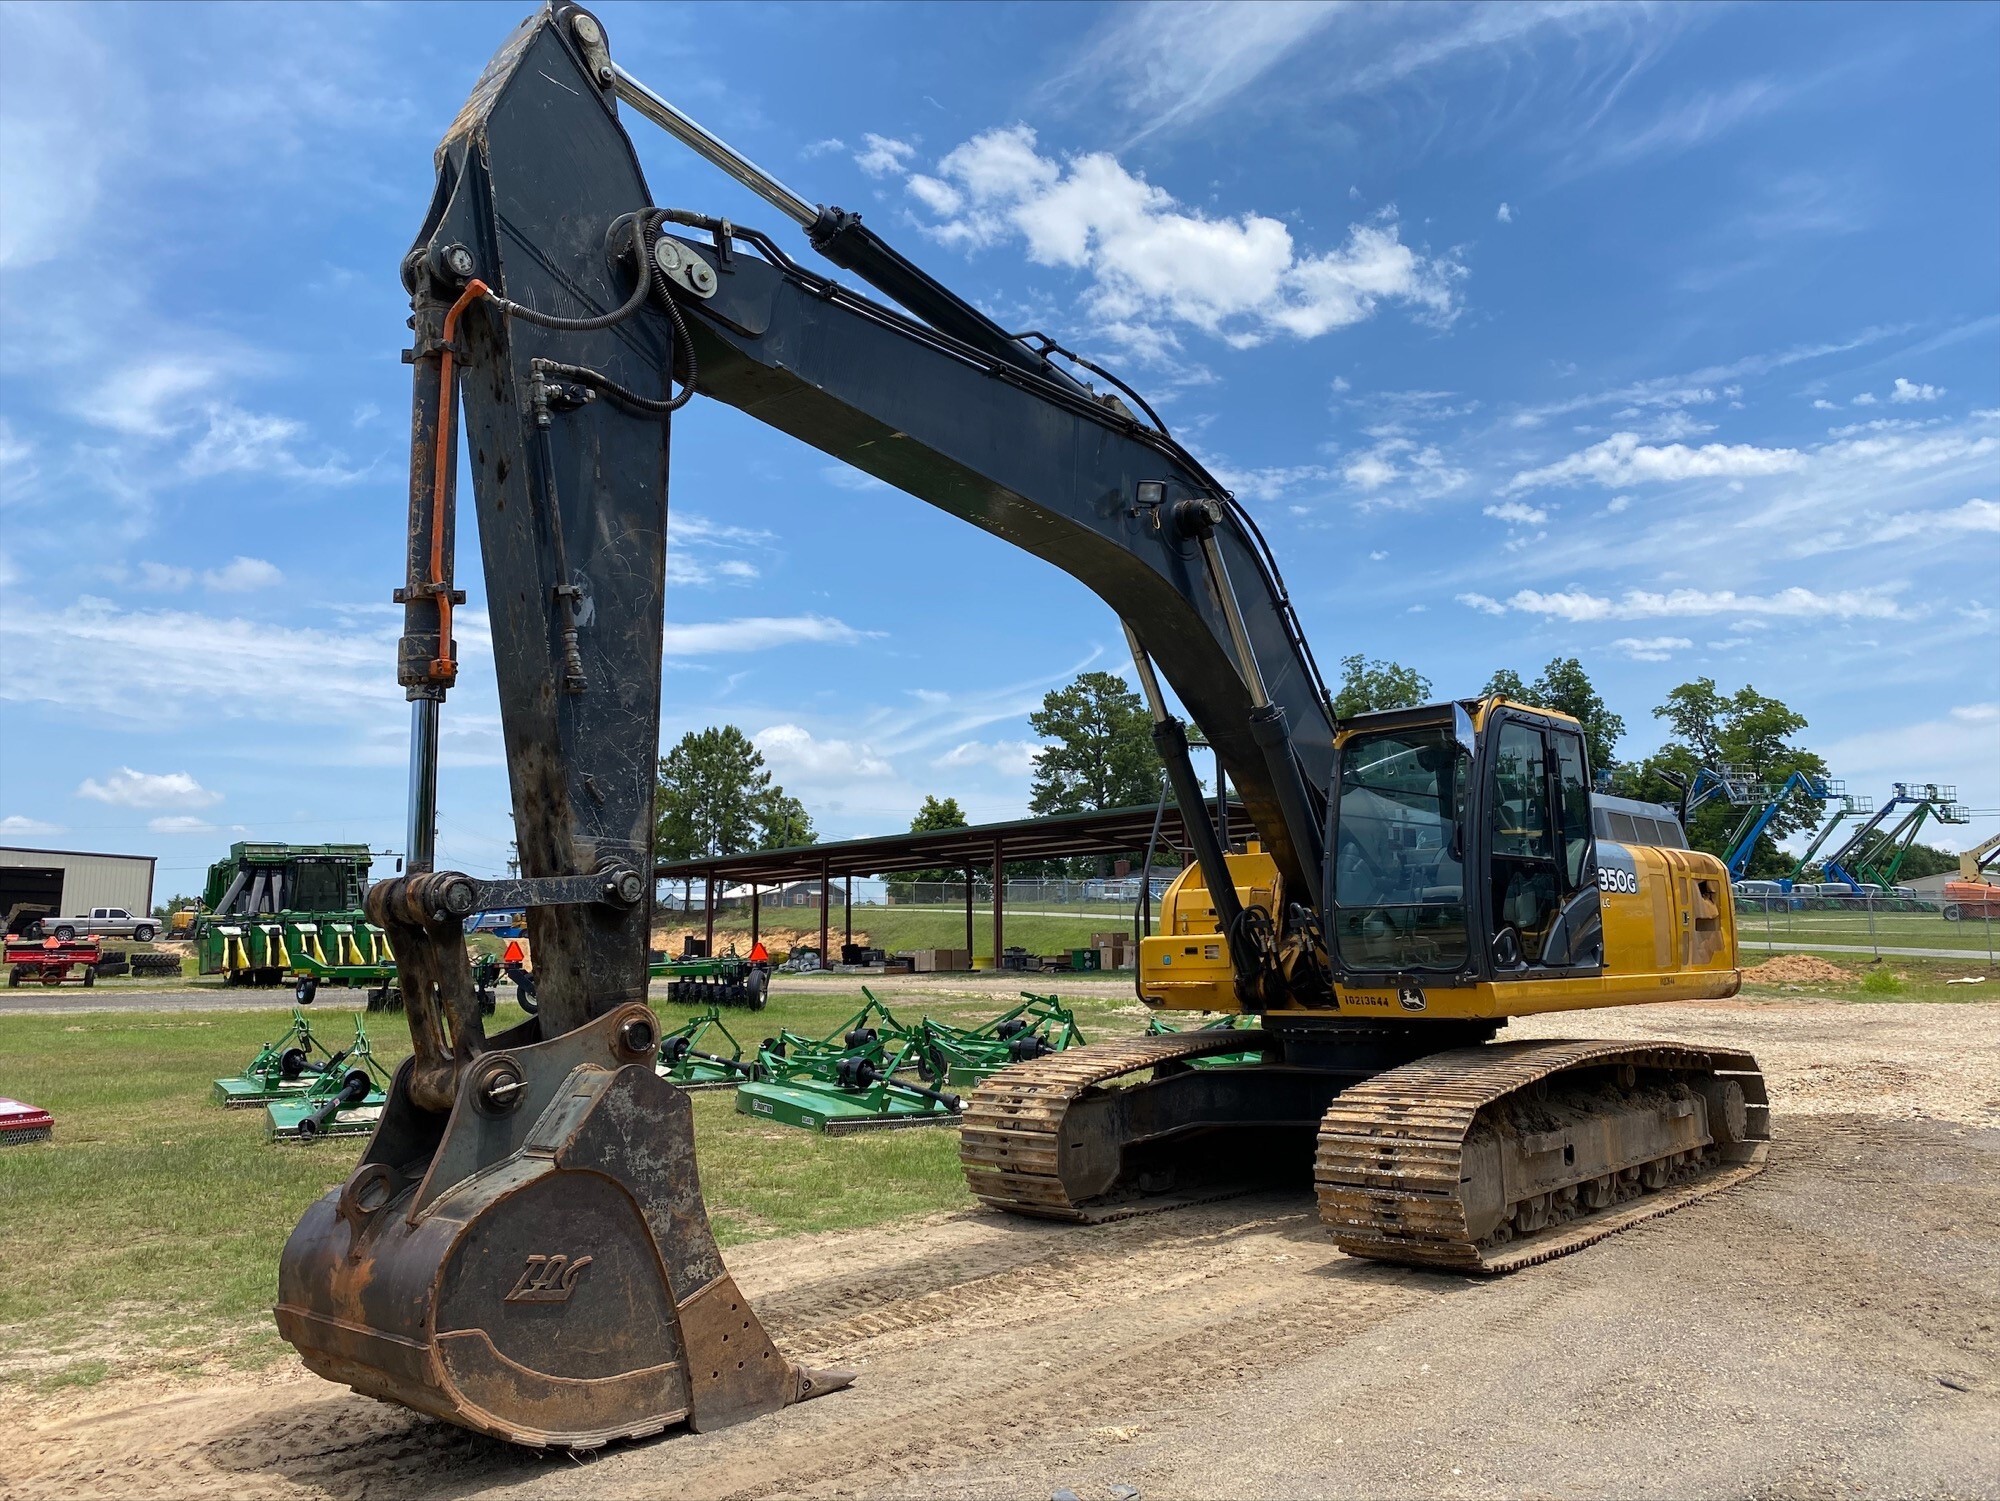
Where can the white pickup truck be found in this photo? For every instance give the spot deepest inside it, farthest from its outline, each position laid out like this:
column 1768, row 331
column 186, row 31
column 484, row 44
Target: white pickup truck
column 104, row 922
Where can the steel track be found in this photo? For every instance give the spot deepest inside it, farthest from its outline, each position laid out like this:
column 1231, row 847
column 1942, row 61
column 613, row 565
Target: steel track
column 1391, row 1151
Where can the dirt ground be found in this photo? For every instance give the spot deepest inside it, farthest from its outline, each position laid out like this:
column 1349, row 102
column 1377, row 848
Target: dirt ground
column 1826, row 1329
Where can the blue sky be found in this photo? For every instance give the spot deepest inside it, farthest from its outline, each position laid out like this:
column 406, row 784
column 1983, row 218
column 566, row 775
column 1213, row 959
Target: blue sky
column 1665, row 337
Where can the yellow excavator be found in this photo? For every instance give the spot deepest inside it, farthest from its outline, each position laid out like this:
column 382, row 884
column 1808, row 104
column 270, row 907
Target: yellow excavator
column 523, row 1248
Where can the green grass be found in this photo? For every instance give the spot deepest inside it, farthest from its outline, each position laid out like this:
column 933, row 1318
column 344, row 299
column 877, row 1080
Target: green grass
column 1893, row 979
column 1921, row 930
column 146, row 1235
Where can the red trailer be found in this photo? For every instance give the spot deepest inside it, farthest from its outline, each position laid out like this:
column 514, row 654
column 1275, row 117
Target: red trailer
column 50, row 961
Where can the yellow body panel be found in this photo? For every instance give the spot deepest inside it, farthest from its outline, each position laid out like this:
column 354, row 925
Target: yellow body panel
column 1672, row 938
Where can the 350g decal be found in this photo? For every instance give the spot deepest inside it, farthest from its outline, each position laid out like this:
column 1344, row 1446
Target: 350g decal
column 1622, row 881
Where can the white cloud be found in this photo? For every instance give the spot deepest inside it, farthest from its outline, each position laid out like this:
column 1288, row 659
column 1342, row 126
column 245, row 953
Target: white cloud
column 793, row 749
column 149, row 399
column 845, row 477
column 166, row 576
column 1821, row 404
column 1170, row 65
column 883, row 154
column 1903, row 452
column 181, row 823
column 240, row 575
column 1865, row 399
column 20, row 826
column 1617, row 504
column 684, row 568
column 1377, row 556
column 1622, row 459
column 823, row 146
column 1651, row 648
column 1421, row 469
column 1577, row 604
column 756, row 633
column 1012, row 757
column 241, row 442
column 1270, row 483
column 935, row 194
column 1690, row 123
column 1240, row 279
column 1506, row 214
column 1954, row 748
column 1974, row 516
column 340, row 677
column 126, row 788
column 1909, row 391
column 1514, row 513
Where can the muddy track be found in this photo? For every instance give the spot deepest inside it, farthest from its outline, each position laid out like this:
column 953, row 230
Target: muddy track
column 1827, row 1326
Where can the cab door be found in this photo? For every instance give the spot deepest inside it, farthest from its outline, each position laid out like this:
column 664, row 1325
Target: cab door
column 1541, row 870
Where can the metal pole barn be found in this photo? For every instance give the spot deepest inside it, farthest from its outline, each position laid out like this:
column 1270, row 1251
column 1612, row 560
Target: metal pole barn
column 999, row 902
column 825, row 894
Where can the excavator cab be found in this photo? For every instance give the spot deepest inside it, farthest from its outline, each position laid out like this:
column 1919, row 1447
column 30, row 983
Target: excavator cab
column 1461, row 848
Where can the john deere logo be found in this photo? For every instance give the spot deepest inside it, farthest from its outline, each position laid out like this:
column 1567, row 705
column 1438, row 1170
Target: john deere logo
column 1411, row 998
column 548, row 1279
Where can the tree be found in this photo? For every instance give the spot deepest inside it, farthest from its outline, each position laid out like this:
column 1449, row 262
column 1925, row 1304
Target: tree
column 1745, row 730
column 1927, row 860
column 936, row 813
column 1102, row 755
column 1366, row 686
column 939, row 813
column 1565, row 687
column 715, row 797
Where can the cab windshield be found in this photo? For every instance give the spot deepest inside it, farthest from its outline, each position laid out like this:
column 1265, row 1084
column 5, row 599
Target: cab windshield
column 1399, row 881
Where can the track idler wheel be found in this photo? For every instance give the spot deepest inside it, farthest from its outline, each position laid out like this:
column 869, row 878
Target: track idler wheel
column 538, row 1265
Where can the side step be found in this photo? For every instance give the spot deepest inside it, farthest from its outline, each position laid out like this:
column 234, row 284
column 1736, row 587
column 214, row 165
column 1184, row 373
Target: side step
column 1494, row 1158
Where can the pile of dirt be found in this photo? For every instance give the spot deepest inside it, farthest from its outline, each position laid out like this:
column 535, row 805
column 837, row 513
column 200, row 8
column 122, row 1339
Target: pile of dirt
column 1797, row 969
column 778, row 938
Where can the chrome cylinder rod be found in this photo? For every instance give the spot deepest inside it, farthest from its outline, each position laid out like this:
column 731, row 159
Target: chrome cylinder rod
column 681, row 128
column 420, row 842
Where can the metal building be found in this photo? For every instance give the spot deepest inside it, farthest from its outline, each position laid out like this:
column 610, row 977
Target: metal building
column 71, row 882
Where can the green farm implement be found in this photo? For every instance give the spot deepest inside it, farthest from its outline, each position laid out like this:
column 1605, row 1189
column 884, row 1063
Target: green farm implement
column 290, row 914
column 1158, row 1028
column 722, row 981
column 847, row 1081
column 342, row 1097
column 283, row 1068
column 960, row 1057
column 689, row 1058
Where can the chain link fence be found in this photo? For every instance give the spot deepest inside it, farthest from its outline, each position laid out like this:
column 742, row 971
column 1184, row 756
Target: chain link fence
column 1868, row 922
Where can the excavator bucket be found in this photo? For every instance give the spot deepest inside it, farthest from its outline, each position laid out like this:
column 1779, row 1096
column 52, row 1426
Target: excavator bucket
column 548, row 1275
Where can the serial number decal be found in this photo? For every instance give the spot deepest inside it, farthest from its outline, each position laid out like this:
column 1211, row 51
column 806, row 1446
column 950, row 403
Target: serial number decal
column 1623, row 881
column 1364, row 998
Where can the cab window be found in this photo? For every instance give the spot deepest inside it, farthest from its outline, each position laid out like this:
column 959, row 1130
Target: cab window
column 1574, row 789
column 1525, row 877
column 1520, row 804
column 1399, row 884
